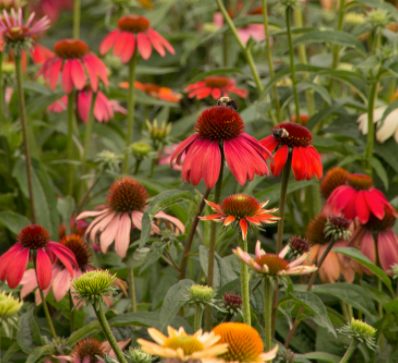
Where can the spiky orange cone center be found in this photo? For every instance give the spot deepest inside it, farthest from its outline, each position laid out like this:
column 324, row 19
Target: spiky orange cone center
column 33, row 236
column 240, row 206
column 133, row 23
column 70, row 48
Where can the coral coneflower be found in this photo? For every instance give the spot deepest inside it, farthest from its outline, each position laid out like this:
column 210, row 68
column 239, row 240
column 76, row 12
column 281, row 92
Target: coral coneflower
column 334, row 263
column 183, row 346
column 272, row 264
column 333, row 179
column 387, row 240
column 40, row 53
column 125, row 206
column 72, row 59
column 134, row 32
column 241, row 209
column 214, row 86
column 290, row 137
column 153, row 90
column 244, row 344
column 358, row 198
column 219, row 131
column 34, row 241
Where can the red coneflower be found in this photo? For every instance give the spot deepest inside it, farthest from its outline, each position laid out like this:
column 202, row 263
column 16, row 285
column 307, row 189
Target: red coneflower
column 334, row 178
column 387, row 240
column 291, row 137
column 126, row 202
column 242, row 209
column 134, row 31
column 72, row 59
column 358, row 198
column 216, row 86
column 219, row 131
column 153, row 90
column 40, row 53
column 34, row 241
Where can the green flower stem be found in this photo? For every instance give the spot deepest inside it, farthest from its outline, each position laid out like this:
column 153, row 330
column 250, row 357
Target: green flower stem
column 371, row 125
column 268, row 293
column 212, row 243
column 197, row 323
column 0, row 345
column 137, row 166
column 153, row 164
column 270, row 62
column 76, row 19
column 350, row 350
column 89, row 129
column 247, row 53
column 108, row 333
column 291, row 55
column 89, row 190
column 244, row 283
column 188, row 243
column 71, row 116
column 72, row 313
column 24, row 126
column 131, row 105
column 132, row 293
column 2, row 116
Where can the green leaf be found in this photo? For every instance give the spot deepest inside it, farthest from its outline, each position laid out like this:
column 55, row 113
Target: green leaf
column 323, row 92
column 13, row 221
column 391, row 307
column 175, row 298
column 359, row 257
column 157, row 204
column 14, row 348
column 313, row 304
column 322, row 356
column 83, row 332
column 153, row 255
column 222, row 272
column 333, row 36
column 148, row 70
column 381, row 172
column 28, row 336
column 65, row 207
column 135, row 257
column 388, row 151
column 39, row 352
column 381, row 5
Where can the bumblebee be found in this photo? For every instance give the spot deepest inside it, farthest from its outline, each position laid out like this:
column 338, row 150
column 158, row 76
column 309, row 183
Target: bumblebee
column 228, row 102
column 280, row 133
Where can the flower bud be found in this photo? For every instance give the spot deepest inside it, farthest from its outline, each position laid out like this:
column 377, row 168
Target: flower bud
column 361, row 331
column 232, row 302
column 200, row 294
column 109, row 160
column 9, row 306
column 136, row 355
column 287, row 356
column 394, row 271
column 299, row 244
column 353, row 19
column 158, row 134
column 378, row 18
column 140, row 150
column 337, row 228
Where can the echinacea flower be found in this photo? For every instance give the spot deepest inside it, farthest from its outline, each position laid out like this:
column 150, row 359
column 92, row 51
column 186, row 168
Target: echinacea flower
column 288, row 137
column 40, row 53
column 376, row 238
column 274, row 265
column 76, row 227
column 334, row 178
column 11, row 4
column 155, row 91
column 72, row 59
column 360, row 331
column 165, row 157
column 126, row 202
column 244, row 344
column 103, row 108
column 219, row 131
column 14, row 32
column 199, row 346
column 34, row 241
column 50, row 8
column 334, row 263
column 241, row 209
column 214, row 86
column 358, row 198
column 134, row 33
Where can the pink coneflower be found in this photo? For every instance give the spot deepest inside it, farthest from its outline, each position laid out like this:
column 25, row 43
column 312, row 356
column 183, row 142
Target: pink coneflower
column 291, row 137
column 272, row 264
column 215, row 86
column 103, row 109
column 40, row 53
column 165, row 157
column 61, row 280
column 220, row 131
column 13, row 30
column 386, row 240
column 72, row 59
column 34, row 241
column 50, row 8
column 134, row 32
column 241, row 209
column 126, row 202
column 358, row 198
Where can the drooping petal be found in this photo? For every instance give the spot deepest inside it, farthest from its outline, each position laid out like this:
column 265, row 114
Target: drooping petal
column 64, row 254
column 387, row 249
column 61, row 284
column 375, row 204
column 109, row 234
column 7, row 258
column 280, row 160
column 361, row 207
column 181, row 147
column 330, row 269
column 78, row 74
column 28, row 282
column 54, row 75
column 144, row 46
column 243, row 225
column 43, row 268
column 16, row 270
column 109, row 41
column 235, row 164
column 67, row 82
column 211, row 164
column 299, row 166
column 154, row 34
column 368, row 246
column 122, row 240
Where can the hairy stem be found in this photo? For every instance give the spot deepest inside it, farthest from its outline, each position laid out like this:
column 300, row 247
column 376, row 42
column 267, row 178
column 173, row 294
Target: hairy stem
column 244, row 283
column 197, row 323
column 70, row 172
column 268, row 293
column 76, row 19
column 371, row 125
column 72, row 313
column 349, row 351
column 2, row 115
column 132, row 293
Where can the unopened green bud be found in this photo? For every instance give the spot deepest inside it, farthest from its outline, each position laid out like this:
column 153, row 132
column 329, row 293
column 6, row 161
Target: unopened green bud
column 109, row 160
column 136, row 355
column 200, row 294
column 361, row 331
column 8, row 68
column 354, row 19
column 337, row 228
column 286, row 356
column 378, row 18
column 394, row 271
column 290, row 3
column 140, row 150
column 112, row 62
column 9, row 306
column 158, row 133
column 210, row 28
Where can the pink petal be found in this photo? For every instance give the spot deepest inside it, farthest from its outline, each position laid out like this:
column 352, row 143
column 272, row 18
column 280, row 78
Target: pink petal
column 122, row 240
column 387, row 249
column 154, row 34
column 54, row 75
column 109, row 234
column 78, row 74
column 43, row 268
column 28, row 282
column 368, row 246
column 144, row 46
column 92, row 74
column 16, row 270
column 67, row 83
column 136, row 217
column 61, row 284
column 109, row 41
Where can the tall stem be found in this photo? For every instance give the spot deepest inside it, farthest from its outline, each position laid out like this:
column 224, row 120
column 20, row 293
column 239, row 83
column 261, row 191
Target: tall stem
column 349, row 351
column 76, row 19
column 72, row 313
column 89, row 129
column 132, row 290
column 188, row 243
column 270, row 62
column 244, row 283
column 336, row 49
column 291, row 55
column 212, row 243
column 371, row 125
column 197, row 323
column 131, row 104
column 24, row 126
column 268, row 293
column 108, row 333
column 71, row 103
column 2, row 116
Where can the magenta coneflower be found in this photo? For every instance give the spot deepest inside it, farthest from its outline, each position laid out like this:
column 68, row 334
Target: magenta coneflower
column 72, row 59
column 219, row 131
column 13, row 30
column 242, row 209
column 291, row 137
column 134, row 32
column 126, row 202
column 34, row 241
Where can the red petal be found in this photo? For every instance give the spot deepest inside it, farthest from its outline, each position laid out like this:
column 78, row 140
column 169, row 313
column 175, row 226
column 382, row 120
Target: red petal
column 239, row 91
column 197, row 163
column 67, row 83
column 211, row 164
column 229, row 220
column 129, row 48
column 144, row 45
column 299, row 165
column 280, row 160
column 43, row 269
column 7, row 258
column 350, row 209
column 361, row 207
column 216, row 93
column 92, row 74
column 54, row 74
column 78, row 74
column 64, row 254
column 109, row 41
column 375, row 204
column 16, row 270
column 243, row 225
column 235, row 164
column 154, row 34
column 269, row 143
column 318, row 168
column 181, row 147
